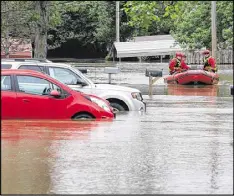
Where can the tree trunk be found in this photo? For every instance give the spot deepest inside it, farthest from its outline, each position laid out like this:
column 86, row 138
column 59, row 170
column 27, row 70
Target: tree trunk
column 5, row 39
column 40, row 50
column 42, row 8
column 7, row 46
column 7, row 54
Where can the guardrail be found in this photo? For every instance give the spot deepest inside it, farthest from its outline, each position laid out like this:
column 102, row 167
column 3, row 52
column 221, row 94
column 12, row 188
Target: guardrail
column 222, row 57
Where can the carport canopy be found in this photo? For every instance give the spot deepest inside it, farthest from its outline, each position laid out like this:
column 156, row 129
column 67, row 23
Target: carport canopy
column 145, row 48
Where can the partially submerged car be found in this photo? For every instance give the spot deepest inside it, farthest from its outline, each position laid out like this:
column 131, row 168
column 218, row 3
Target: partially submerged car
column 27, row 94
column 121, row 98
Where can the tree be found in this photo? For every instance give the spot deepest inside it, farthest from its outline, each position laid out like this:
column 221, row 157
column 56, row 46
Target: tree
column 50, row 23
column 141, row 15
column 89, row 22
column 47, row 15
column 30, row 19
column 42, row 26
column 225, row 24
column 188, row 21
column 14, row 17
column 193, row 25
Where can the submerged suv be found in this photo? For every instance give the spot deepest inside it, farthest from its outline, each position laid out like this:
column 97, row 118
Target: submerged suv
column 121, row 98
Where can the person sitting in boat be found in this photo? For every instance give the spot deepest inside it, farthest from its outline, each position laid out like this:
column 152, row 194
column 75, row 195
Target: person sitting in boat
column 178, row 64
column 209, row 63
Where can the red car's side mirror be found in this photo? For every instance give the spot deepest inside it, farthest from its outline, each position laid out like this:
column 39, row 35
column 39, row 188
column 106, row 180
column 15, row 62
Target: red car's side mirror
column 55, row 93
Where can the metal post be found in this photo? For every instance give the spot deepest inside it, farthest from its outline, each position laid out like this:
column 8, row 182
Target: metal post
column 150, row 84
column 213, row 26
column 109, row 78
column 112, row 53
column 117, row 21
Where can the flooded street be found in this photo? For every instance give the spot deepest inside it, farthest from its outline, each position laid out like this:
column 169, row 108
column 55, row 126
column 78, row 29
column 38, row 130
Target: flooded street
column 182, row 144
column 133, row 75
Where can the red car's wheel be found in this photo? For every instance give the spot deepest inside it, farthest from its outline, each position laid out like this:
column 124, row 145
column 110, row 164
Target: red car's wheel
column 83, row 116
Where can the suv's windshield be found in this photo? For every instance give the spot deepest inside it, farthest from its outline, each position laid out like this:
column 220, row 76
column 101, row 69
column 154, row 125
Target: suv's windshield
column 65, row 76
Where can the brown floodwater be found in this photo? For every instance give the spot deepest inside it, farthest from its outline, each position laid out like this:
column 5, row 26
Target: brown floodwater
column 182, row 144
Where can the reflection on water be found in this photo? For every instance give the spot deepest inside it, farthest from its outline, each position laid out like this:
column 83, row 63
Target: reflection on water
column 49, row 130
column 180, row 145
column 26, row 150
column 192, row 90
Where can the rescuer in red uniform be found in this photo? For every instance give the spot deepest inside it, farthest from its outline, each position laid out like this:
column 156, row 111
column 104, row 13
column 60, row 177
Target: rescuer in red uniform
column 209, row 62
column 178, row 64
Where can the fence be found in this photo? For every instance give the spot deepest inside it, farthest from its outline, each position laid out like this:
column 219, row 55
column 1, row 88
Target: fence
column 222, row 57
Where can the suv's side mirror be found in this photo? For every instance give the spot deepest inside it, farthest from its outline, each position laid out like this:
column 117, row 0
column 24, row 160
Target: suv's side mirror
column 55, row 93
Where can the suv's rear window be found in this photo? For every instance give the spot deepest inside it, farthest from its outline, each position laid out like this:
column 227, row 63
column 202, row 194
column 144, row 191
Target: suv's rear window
column 6, row 66
column 32, row 67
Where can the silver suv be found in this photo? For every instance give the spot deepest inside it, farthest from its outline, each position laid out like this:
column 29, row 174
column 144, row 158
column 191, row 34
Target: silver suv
column 121, row 98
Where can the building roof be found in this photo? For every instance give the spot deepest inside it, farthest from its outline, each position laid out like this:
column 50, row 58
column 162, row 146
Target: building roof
column 152, row 38
column 19, row 48
column 165, row 45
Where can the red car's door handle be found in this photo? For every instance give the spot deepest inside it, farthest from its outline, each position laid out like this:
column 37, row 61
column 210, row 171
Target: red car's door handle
column 25, row 100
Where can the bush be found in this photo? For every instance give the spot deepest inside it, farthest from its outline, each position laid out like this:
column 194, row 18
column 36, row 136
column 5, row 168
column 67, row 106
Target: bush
column 108, row 58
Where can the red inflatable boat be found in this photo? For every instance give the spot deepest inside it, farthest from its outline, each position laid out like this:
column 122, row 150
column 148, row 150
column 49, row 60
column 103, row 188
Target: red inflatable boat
column 192, row 77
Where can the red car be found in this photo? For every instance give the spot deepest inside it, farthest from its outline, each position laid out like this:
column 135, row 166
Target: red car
column 28, row 94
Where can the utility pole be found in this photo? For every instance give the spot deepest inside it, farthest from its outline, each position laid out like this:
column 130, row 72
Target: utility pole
column 213, row 27
column 117, row 21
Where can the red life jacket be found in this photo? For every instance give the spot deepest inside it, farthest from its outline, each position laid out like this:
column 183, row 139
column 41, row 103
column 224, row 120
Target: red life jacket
column 178, row 63
column 207, row 65
column 176, row 67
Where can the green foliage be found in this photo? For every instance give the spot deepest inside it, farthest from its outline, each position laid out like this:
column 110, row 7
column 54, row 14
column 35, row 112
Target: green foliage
column 188, row 21
column 142, row 13
column 225, row 23
column 14, row 17
column 93, row 22
column 89, row 22
column 193, row 26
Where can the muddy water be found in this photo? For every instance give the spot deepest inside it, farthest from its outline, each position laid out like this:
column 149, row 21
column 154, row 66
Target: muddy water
column 182, row 144
column 133, row 75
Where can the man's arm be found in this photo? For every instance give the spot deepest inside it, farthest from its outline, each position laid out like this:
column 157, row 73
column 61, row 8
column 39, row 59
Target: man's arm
column 172, row 64
column 184, row 66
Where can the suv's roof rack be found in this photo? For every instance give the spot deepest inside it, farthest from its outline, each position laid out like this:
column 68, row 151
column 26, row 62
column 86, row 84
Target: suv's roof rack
column 27, row 60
